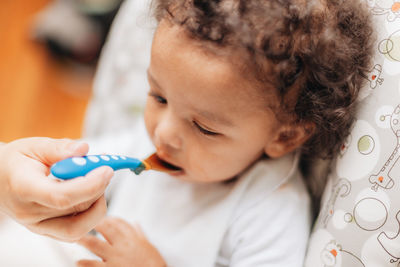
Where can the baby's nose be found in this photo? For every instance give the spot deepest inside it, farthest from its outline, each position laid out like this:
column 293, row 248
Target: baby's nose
column 167, row 136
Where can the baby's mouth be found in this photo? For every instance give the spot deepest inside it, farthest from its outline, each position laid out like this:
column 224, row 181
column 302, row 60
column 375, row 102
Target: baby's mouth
column 160, row 164
column 168, row 165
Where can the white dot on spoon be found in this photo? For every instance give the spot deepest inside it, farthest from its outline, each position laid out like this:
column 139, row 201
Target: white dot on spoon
column 104, row 157
column 79, row 161
column 93, row 159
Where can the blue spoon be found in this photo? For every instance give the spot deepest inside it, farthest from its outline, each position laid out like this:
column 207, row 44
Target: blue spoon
column 79, row 166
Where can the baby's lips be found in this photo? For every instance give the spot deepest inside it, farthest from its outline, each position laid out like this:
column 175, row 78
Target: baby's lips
column 159, row 164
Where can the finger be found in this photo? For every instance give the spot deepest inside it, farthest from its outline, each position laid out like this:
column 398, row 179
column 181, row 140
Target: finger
column 111, row 229
column 90, row 263
column 126, row 228
column 72, row 228
column 139, row 231
column 63, row 195
column 32, row 213
column 49, row 151
column 95, row 245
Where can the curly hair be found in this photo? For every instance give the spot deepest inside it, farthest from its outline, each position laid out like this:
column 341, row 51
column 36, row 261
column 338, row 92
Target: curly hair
column 321, row 48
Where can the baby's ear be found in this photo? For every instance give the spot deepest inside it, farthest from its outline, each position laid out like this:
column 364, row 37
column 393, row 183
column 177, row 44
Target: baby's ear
column 288, row 138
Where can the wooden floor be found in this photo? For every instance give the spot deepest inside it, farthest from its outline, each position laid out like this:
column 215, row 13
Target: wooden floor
column 38, row 96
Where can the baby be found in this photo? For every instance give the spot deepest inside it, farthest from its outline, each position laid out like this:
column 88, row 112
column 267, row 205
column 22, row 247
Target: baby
column 239, row 92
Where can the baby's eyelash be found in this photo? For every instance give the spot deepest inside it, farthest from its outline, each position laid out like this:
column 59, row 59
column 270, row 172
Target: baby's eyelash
column 158, row 98
column 204, row 131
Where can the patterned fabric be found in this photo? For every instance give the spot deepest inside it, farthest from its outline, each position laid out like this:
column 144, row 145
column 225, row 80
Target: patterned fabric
column 359, row 220
column 120, row 86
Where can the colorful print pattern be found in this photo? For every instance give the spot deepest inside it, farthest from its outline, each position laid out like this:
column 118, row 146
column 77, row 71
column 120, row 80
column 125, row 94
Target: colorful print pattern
column 359, row 220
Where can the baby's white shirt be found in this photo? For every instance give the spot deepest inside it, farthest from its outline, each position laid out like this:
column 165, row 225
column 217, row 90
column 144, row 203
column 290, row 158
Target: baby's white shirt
column 261, row 219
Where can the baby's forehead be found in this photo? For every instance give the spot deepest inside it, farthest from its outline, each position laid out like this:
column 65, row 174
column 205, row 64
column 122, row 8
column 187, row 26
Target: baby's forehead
column 242, row 65
column 229, row 69
column 257, row 79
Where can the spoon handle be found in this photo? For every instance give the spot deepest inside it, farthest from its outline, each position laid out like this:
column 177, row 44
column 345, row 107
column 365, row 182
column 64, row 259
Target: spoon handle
column 79, row 166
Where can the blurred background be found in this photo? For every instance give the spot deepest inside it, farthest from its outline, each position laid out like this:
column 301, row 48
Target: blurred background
column 48, row 55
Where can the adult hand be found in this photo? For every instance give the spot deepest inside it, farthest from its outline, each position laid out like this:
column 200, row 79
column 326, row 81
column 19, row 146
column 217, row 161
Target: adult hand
column 65, row 210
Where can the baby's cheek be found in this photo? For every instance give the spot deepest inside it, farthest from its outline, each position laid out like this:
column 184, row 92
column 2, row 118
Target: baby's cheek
column 222, row 170
column 203, row 167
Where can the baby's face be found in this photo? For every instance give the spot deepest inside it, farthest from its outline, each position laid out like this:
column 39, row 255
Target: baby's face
column 201, row 114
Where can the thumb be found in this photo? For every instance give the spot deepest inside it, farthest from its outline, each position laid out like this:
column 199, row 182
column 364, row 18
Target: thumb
column 49, row 151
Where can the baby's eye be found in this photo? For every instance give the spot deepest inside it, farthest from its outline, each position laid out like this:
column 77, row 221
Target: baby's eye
column 204, row 131
column 158, row 98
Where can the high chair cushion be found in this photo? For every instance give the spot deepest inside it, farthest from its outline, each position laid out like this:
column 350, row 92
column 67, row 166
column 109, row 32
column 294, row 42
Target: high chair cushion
column 359, row 219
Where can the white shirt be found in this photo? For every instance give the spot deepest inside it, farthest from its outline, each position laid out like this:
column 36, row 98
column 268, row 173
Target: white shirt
column 261, row 219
